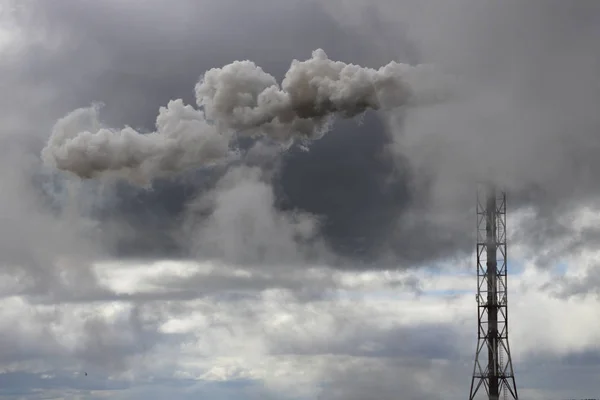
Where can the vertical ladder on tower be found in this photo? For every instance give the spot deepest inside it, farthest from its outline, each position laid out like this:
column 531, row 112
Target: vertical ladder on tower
column 501, row 357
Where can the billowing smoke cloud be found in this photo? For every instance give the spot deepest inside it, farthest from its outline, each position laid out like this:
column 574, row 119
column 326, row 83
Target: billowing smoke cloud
column 183, row 137
column 238, row 98
column 244, row 97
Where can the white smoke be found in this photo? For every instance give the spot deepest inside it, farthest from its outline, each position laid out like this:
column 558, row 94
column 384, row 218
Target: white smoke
column 182, row 139
column 238, row 98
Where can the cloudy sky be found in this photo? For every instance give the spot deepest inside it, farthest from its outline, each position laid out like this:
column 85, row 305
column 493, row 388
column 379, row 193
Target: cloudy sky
column 335, row 268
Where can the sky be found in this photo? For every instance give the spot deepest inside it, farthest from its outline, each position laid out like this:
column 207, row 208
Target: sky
column 190, row 210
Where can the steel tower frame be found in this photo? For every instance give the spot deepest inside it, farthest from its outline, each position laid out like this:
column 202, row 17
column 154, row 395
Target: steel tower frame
column 493, row 369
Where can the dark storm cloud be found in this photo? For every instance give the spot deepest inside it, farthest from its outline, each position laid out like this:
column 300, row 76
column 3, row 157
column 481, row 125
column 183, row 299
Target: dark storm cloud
column 114, row 55
column 408, row 210
column 348, row 179
column 136, row 60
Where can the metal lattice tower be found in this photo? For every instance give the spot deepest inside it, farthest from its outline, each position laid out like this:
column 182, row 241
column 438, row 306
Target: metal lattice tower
column 493, row 368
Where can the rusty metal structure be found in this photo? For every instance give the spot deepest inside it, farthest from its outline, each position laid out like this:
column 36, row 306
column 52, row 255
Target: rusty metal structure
column 493, row 370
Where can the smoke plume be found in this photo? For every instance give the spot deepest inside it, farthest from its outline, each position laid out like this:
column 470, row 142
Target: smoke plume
column 239, row 98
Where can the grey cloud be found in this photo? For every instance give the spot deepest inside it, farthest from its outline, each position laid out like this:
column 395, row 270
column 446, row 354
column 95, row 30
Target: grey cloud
column 184, row 390
column 217, row 284
column 111, row 345
column 548, row 236
column 428, row 341
column 358, row 354
column 16, row 385
column 141, row 66
column 390, row 379
column 129, row 66
column 587, row 284
column 401, row 194
column 44, row 252
column 577, row 370
column 537, row 139
column 527, row 120
column 64, row 342
column 349, row 181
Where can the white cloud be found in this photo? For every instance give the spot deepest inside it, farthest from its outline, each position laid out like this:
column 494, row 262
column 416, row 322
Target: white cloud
column 419, row 323
column 291, row 345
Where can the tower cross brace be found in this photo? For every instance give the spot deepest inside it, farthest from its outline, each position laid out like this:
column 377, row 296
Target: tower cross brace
column 493, row 369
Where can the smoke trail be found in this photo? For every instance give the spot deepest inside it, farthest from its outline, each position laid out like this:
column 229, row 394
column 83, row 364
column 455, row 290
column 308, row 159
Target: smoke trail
column 237, row 98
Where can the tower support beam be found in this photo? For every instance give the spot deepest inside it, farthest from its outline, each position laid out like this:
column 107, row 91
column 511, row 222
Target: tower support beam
column 493, row 369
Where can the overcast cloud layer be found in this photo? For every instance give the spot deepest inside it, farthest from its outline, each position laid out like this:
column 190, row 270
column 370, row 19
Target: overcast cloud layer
column 269, row 248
